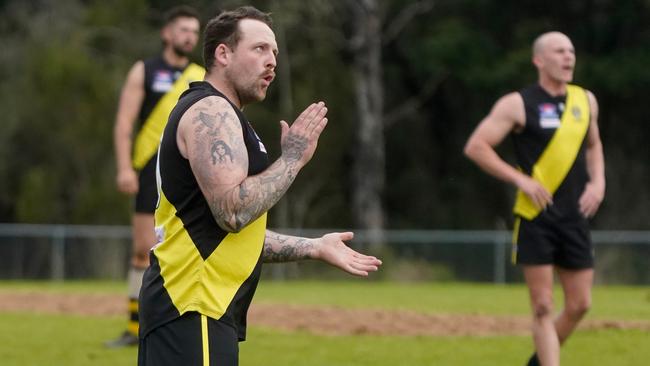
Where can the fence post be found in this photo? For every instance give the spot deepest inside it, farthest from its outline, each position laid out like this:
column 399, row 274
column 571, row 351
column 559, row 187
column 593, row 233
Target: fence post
column 57, row 261
column 500, row 237
column 499, row 260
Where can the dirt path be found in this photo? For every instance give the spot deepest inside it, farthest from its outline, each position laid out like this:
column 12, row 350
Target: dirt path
column 327, row 320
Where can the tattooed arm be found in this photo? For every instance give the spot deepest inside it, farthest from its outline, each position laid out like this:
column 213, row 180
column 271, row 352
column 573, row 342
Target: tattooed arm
column 330, row 248
column 210, row 137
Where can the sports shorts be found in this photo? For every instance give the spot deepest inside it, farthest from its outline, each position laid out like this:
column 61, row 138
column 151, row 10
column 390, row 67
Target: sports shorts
column 147, row 196
column 565, row 243
column 192, row 339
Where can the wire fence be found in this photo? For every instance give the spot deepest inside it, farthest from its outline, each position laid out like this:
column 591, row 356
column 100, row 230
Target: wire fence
column 61, row 252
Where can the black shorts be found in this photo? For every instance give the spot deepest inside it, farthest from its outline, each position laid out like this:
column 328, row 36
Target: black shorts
column 546, row 240
column 147, row 196
column 187, row 341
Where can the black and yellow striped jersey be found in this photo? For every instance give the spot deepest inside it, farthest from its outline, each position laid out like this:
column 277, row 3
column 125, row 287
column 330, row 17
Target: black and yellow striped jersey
column 196, row 265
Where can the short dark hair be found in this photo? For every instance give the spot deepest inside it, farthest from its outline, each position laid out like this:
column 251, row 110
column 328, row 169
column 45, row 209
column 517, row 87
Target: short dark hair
column 224, row 28
column 181, row 11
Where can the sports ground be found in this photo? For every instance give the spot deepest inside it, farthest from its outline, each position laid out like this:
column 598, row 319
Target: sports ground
column 334, row 323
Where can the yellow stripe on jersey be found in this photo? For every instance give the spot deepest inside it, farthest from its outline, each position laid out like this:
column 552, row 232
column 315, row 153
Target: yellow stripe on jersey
column 561, row 152
column 146, row 143
column 515, row 241
column 205, row 340
column 206, row 286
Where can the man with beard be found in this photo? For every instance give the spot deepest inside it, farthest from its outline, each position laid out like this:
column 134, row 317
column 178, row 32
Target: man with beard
column 216, row 184
column 150, row 91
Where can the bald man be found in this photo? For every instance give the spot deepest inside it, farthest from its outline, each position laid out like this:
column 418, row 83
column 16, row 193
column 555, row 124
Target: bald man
column 560, row 181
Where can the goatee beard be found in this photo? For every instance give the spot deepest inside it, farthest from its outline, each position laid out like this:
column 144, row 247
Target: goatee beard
column 180, row 52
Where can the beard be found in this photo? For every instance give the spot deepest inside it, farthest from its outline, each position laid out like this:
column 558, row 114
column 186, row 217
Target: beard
column 247, row 93
column 180, row 50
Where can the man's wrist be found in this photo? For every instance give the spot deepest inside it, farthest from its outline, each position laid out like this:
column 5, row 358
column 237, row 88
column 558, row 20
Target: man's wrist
column 291, row 161
column 314, row 251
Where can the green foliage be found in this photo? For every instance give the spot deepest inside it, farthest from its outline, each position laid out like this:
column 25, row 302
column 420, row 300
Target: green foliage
column 63, row 63
column 63, row 95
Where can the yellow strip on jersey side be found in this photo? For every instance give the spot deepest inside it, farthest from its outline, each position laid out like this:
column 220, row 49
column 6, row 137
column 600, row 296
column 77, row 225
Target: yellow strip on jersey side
column 561, row 152
column 515, row 241
column 146, row 143
column 205, row 340
column 205, row 286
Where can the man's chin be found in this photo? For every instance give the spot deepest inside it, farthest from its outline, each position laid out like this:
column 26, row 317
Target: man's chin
column 261, row 96
column 181, row 52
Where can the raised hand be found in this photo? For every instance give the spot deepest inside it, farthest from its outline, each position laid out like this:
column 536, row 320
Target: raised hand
column 299, row 140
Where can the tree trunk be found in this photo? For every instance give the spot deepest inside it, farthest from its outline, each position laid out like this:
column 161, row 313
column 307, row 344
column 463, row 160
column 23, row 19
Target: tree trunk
column 369, row 155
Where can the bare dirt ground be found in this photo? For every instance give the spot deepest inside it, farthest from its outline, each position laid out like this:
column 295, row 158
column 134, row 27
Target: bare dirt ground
column 323, row 320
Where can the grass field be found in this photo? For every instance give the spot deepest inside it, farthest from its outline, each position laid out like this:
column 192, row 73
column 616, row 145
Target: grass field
column 46, row 339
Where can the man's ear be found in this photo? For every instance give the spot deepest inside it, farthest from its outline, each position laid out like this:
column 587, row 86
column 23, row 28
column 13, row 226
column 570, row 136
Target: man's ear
column 165, row 33
column 222, row 54
column 537, row 61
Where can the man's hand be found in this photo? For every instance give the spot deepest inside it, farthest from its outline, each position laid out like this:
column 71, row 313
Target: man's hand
column 331, row 249
column 299, row 141
column 535, row 191
column 127, row 181
column 590, row 199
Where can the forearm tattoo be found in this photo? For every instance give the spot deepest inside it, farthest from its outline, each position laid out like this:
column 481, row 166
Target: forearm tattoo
column 255, row 195
column 284, row 248
column 218, row 142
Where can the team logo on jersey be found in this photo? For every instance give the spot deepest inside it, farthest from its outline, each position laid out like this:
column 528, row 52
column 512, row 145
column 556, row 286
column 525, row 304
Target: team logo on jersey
column 575, row 111
column 163, row 81
column 549, row 116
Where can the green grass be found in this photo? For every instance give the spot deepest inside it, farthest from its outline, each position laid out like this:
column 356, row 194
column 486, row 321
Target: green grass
column 103, row 287
column 602, row 348
column 38, row 339
column 609, row 302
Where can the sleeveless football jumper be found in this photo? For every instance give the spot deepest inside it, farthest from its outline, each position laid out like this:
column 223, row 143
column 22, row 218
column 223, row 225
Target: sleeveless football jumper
column 159, row 78
column 551, row 148
column 196, row 265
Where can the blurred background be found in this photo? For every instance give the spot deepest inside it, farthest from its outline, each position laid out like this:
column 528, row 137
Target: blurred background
column 405, row 81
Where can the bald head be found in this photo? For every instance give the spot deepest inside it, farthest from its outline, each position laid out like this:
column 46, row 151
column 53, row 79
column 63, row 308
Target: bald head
column 546, row 39
column 554, row 57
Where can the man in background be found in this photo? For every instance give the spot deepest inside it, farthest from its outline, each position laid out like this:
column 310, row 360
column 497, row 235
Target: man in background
column 561, row 183
column 150, row 91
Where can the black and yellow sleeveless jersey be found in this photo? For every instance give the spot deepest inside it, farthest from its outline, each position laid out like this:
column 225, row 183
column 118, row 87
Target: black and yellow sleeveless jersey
column 196, row 265
column 159, row 78
column 544, row 115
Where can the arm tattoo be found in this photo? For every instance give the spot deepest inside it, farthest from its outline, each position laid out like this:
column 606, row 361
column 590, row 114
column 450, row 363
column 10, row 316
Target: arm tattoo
column 254, row 196
column 220, row 152
column 285, row 248
column 218, row 140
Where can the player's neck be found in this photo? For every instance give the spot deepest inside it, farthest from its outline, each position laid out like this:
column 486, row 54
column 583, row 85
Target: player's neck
column 174, row 59
column 553, row 87
column 222, row 85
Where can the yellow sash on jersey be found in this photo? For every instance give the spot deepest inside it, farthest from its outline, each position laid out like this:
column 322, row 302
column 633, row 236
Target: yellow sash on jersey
column 561, row 152
column 146, row 143
column 208, row 285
